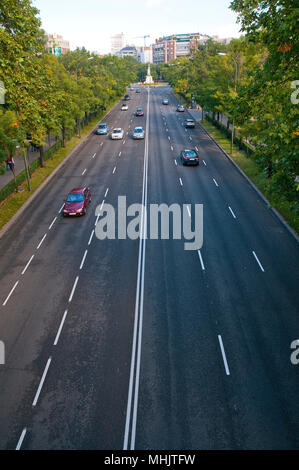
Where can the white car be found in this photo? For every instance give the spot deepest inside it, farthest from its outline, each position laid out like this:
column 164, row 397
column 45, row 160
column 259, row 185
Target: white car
column 124, row 107
column 117, row 133
column 138, row 133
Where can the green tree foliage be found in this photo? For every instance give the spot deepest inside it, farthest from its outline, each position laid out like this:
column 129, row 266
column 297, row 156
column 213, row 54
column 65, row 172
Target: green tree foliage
column 252, row 82
column 266, row 96
column 50, row 95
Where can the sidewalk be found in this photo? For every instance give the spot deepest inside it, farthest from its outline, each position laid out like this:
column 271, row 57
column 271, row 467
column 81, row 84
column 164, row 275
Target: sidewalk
column 19, row 163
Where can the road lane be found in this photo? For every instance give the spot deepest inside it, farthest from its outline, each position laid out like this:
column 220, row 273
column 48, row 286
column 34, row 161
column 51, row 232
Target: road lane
column 30, row 324
column 255, row 319
column 215, row 370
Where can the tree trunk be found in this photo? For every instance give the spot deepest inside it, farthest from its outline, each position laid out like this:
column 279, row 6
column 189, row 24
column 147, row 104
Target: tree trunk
column 78, row 127
column 42, row 156
column 63, row 138
column 269, row 170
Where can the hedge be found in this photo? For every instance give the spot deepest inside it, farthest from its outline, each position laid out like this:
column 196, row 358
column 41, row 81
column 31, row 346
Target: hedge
column 242, row 145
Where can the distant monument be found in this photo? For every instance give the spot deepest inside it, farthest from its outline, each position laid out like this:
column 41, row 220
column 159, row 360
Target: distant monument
column 149, row 79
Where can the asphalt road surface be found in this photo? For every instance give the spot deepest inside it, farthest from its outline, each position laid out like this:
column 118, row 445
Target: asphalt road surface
column 140, row 344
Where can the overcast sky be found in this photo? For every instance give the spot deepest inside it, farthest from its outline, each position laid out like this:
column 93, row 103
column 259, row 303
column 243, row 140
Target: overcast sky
column 90, row 23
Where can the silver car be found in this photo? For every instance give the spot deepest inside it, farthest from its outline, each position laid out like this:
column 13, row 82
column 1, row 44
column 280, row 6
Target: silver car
column 138, row 133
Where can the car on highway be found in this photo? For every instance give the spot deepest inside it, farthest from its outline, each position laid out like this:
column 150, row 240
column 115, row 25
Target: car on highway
column 165, row 101
column 137, row 90
column 117, row 133
column 189, row 157
column 102, row 129
column 138, row 133
column 124, row 107
column 190, row 123
column 127, row 97
column 131, row 89
column 180, row 108
column 139, row 112
column 77, row 202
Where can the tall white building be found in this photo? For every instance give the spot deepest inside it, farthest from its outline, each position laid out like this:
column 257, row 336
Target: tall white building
column 117, row 43
column 146, row 55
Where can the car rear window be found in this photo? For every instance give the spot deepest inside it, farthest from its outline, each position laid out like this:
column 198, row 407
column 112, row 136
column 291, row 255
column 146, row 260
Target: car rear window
column 138, row 129
column 190, row 153
column 117, row 131
column 102, row 126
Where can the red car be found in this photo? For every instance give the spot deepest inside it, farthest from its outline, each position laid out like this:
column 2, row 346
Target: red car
column 77, row 202
column 139, row 112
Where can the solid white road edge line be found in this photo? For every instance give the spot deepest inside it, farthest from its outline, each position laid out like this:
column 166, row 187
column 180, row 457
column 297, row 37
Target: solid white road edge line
column 134, row 376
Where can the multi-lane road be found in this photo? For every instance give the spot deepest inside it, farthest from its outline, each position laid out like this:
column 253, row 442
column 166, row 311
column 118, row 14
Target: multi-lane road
column 140, row 344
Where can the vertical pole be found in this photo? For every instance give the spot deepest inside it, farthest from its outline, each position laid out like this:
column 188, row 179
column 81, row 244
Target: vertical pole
column 27, row 169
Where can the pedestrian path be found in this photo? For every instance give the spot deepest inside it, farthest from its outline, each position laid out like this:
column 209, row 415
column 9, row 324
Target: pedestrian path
column 20, row 165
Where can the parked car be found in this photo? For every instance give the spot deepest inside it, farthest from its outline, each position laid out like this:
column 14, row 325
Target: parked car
column 180, row 108
column 77, row 202
column 138, row 133
column 139, row 112
column 165, row 101
column 190, row 123
column 124, row 107
column 102, row 129
column 117, row 133
column 189, row 157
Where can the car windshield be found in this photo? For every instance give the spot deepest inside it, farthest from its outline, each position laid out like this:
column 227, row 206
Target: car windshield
column 75, row 198
column 139, row 110
column 190, row 153
column 138, row 129
column 117, row 131
column 102, row 126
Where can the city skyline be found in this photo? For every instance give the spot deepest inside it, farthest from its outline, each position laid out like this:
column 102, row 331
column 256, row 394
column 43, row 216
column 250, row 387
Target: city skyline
column 156, row 18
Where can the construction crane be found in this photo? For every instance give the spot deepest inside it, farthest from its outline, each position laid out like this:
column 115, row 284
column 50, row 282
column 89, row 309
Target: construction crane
column 144, row 37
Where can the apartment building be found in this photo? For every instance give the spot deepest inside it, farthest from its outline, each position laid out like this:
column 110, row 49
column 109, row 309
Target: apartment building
column 169, row 48
column 56, row 45
column 117, row 43
column 128, row 51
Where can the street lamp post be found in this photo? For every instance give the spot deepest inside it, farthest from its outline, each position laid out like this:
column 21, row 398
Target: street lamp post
column 236, row 79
